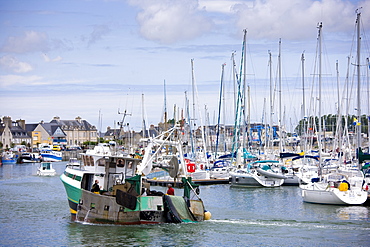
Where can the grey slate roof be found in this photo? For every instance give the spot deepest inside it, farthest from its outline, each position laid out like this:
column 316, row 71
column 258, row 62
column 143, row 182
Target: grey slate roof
column 73, row 124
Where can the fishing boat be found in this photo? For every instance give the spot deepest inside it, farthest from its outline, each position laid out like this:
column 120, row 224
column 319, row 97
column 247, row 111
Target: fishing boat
column 8, row 157
column 46, row 169
column 125, row 197
column 27, row 157
column 74, row 162
column 48, row 154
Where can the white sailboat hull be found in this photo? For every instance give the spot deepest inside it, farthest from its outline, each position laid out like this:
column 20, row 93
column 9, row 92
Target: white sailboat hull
column 291, row 180
column 254, row 180
column 321, row 193
column 270, row 173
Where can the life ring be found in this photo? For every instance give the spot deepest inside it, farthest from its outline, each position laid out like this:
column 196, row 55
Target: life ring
column 191, row 167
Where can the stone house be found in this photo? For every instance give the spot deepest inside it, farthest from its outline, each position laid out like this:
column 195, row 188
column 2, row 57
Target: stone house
column 13, row 132
column 76, row 131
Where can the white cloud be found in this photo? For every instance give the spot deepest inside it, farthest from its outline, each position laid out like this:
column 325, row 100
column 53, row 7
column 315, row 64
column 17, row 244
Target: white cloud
column 168, row 21
column 222, row 6
column 12, row 64
column 295, row 19
column 31, row 41
column 48, row 59
column 16, row 80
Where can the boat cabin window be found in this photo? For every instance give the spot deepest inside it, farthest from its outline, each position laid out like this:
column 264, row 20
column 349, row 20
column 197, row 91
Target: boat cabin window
column 101, row 162
column 121, row 163
column 87, row 181
column 45, row 166
column 130, row 164
column 88, row 160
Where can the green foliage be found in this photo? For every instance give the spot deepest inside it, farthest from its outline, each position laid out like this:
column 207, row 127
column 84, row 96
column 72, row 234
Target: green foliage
column 89, row 143
column 329, row 123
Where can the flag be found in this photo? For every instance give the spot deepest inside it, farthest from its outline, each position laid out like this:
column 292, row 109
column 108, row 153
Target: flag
column 356, row 122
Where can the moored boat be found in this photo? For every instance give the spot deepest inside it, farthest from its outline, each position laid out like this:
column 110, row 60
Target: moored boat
column 26, row 157
column 8, row 157
column 266, row 173
column 336, row 183
column 336, row 188
column 124, row 196
column 46, row 169
column 48, row 154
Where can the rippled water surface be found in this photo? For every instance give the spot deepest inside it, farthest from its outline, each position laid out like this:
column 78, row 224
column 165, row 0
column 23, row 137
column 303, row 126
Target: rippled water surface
column 34, row 212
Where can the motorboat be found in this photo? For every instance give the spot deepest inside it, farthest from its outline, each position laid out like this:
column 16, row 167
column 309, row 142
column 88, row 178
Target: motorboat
column 27, row 157
column 46, row 169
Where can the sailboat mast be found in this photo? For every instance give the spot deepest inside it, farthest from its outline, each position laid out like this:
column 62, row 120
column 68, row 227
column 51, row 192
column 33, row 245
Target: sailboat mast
column 339, row 113
column 244, row 93
column 234, row 79
column 219, row 110
column 303, row 93
column 165, row 105
column 368, row 100
column 305, row 127
column 280, row 104
column 358, row 125
column 193, row 88
column 143, row 115
column 270, row 136
column 320, row 98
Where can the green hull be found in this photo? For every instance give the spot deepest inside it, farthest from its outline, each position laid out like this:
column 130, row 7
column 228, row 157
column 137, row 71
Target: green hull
column 73, row 195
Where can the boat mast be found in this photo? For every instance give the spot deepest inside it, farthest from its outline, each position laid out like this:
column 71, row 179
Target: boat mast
column 234, row 79
column 358, row 125
column 143, row 115
column 280, row 105
column 165, row 105
column 193, row 88
column 320, row 98
column 245, row 119
column 270, row 136
column 368, row 101
column 219, row 110
column 339, row 116
column 303, row 93
column 304, row 103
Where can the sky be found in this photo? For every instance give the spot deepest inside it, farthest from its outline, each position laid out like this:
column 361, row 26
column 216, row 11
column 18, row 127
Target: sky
column 100, row 58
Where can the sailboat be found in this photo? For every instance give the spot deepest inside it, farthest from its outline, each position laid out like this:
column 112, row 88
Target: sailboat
column 265, row 173
column 334, row 185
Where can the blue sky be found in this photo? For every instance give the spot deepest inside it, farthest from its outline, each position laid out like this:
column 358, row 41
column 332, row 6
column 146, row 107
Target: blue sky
column 72, row 58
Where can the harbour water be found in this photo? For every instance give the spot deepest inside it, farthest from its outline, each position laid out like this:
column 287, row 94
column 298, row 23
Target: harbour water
column 34, row 212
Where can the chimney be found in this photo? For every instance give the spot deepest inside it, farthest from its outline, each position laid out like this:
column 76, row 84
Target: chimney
column 21, row 123
column 7, row 121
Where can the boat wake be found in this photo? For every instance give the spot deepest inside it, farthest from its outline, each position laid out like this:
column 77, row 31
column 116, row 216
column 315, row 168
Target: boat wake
column 290, row 223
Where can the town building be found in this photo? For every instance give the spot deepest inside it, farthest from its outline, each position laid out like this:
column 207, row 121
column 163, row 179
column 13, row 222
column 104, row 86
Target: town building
column 62, row 132
column 75, row 132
